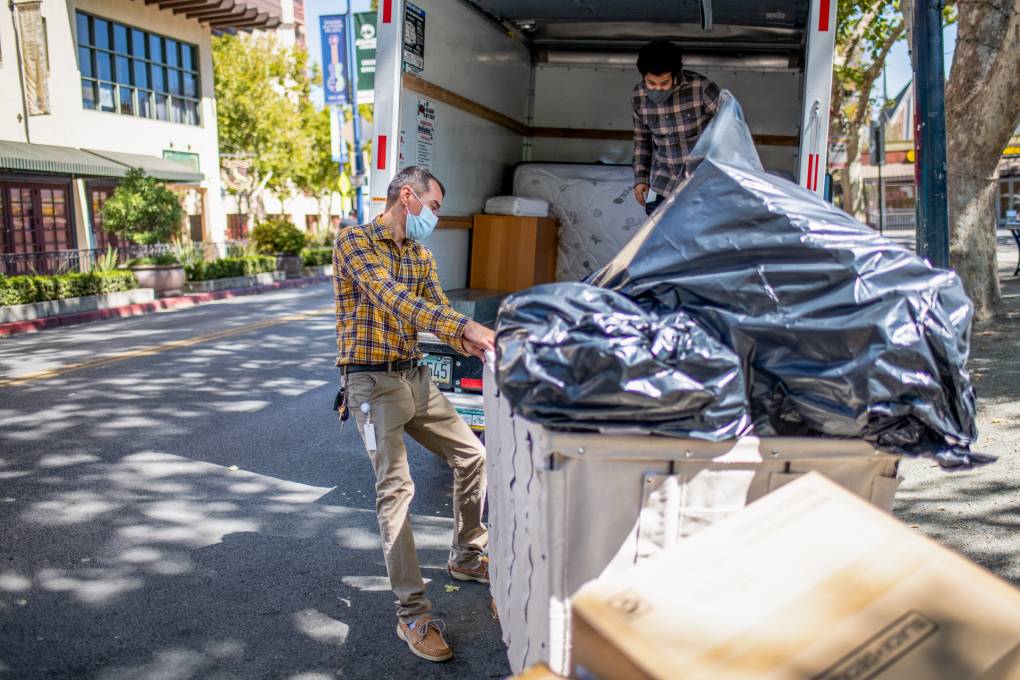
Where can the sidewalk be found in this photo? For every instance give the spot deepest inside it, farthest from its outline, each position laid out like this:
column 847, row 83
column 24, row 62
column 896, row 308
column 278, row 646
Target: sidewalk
column 162, row 304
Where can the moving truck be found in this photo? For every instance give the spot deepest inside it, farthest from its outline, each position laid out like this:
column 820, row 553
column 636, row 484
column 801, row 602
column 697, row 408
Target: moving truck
column 481, row 91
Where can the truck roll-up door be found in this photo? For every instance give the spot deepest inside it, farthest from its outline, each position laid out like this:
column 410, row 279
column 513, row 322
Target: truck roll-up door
column 814, row 128
column 386, row 115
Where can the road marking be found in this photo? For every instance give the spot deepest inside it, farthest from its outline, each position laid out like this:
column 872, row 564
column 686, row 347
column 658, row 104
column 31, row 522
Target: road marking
column 162, row 347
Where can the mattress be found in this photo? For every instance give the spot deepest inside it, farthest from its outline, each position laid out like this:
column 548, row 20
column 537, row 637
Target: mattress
column 595, row 207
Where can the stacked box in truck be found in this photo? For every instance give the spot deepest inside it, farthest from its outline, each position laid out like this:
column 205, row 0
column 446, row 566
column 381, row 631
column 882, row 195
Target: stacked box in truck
column 473, row 89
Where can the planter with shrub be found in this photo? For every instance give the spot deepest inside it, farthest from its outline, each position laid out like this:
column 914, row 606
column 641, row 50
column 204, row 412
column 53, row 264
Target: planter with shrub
column 143, row 210
column 317, row 261
column 232, row 272
column 280, row 238
column 162, row 273
column 23, row 298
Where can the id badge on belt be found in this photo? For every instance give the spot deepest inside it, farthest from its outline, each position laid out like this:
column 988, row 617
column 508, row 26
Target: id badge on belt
column 370, row 442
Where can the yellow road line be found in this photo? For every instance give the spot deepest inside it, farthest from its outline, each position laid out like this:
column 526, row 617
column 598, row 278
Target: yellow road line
column 162, row 347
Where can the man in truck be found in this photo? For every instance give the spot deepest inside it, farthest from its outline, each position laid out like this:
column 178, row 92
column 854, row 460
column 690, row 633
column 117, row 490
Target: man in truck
column 671, row 109
column 387, row 291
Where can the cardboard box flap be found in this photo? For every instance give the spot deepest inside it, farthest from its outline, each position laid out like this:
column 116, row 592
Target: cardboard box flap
column 808, row 582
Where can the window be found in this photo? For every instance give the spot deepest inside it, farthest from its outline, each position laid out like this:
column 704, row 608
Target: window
column 237, row 227
column 36, row 218
column 100, row 237
column 137, row 73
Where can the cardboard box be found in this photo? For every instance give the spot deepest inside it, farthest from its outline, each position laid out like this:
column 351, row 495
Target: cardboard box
column 808, row 582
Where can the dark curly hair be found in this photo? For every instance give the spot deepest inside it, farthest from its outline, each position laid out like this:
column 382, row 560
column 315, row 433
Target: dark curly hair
column 658, row 57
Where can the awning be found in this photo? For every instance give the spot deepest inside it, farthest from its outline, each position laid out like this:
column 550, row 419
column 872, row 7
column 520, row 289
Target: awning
column 889, row 171
column 60, row 160
column 64, row 160
column 227, row 15
column 160, row 168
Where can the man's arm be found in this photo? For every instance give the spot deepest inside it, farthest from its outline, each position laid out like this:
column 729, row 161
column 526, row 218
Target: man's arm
column 359, row 262
column 475, row 338
column 710, row 97
column 642, row 154
column 434, row 293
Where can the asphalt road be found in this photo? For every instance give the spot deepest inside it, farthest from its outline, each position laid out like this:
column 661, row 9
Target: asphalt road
column 177, row 501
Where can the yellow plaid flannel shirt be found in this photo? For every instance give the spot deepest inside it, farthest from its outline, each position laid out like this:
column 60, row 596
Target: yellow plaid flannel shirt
column 385, row 295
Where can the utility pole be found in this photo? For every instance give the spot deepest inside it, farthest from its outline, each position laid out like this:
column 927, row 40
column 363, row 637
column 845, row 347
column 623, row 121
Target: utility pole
column 358, row 165
column 881, row 150
column 930, row 134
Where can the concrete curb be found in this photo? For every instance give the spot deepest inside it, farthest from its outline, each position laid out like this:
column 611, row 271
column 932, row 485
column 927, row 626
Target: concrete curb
column 87, row 303
column 159, row 305
column 232, row 283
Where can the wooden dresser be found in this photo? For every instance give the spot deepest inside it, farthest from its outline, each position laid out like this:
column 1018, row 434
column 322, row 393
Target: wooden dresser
column 512, row 253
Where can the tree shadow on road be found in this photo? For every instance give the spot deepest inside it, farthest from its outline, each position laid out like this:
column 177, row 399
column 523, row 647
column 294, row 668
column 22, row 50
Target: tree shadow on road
column 196, row 514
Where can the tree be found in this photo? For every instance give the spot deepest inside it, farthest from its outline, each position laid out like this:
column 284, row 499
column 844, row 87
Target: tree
column 262, row 96
column 982, row 111
column 865, row 32
column 321, row 175
column 142, row 209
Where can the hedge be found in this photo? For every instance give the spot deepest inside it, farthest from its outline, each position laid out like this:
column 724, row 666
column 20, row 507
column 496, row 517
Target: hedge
column 226, row 267
column 20, row 290
column 316, row 257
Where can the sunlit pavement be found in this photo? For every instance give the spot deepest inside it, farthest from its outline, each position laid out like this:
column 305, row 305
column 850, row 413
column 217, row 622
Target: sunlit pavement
column 173, row 507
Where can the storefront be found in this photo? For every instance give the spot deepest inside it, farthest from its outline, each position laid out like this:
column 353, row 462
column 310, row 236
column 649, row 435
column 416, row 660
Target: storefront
column 51, row 200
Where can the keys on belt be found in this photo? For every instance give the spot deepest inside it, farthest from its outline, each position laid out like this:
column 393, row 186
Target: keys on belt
column 340, row 401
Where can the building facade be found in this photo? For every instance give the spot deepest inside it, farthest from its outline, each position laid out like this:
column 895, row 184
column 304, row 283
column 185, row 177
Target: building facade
column 99, row 87
column 898, row 177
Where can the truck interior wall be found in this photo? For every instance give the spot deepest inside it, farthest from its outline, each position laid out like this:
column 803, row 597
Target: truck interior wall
column 469, row 55
column 598, row 97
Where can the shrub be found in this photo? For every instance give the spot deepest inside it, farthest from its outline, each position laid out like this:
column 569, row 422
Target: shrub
column 231, row 266
column 160, row 259
column 107, row 262
column 315, row 257
column 142, row 209
column 17, row 290
column 20, row 290
column 278, row 237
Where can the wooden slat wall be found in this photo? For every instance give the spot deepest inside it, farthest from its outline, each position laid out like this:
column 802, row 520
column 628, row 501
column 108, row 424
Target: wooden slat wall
column 424, row 87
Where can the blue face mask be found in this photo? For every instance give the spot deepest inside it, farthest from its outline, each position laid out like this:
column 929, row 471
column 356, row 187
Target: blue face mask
column 658, row 97
column 422, row 225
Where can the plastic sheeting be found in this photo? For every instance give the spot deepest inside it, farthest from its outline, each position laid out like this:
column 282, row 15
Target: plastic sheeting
column 577, row 357
column 842, row 332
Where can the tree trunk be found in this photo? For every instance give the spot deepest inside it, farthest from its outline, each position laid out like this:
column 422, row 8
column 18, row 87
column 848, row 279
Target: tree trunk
column 982, row 110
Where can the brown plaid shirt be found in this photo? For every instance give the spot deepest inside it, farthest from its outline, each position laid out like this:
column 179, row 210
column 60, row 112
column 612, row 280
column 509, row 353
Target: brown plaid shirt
column 385, row 294
column 665, row 134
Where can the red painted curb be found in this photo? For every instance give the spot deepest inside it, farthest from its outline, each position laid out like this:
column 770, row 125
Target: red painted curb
column 138, row 309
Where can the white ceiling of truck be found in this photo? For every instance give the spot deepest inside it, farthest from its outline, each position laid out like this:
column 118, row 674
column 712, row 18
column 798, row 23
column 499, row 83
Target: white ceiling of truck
column 777, row 13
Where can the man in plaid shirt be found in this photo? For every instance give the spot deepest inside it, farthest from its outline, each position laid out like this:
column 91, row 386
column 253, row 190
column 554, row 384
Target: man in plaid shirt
column 387, row 290
column 671, row 109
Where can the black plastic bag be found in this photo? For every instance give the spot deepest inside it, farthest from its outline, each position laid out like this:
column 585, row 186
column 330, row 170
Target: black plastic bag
column 842, row 332
column 576, row 357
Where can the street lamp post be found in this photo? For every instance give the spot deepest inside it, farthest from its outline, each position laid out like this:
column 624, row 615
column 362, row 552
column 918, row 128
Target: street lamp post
column 358, row 165
column 930, row 134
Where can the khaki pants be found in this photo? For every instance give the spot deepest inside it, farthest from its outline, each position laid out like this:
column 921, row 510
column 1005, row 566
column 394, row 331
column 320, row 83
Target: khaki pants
column 409, row 401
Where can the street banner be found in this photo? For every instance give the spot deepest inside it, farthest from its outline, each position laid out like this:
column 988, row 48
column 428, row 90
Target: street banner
column 364, row 45
column 333, row 32
column 337, row 144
